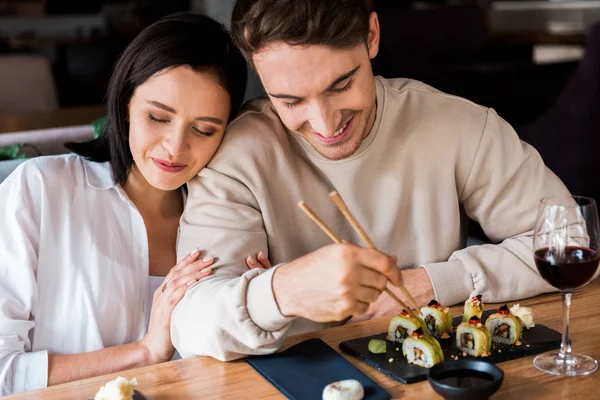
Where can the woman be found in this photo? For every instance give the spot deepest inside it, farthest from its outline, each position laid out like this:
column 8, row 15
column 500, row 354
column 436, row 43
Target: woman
column 88, row 240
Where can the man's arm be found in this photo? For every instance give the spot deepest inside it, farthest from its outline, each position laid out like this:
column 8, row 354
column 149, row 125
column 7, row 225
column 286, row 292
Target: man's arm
column 502, row 192
column 236, row 312
column 215, row 318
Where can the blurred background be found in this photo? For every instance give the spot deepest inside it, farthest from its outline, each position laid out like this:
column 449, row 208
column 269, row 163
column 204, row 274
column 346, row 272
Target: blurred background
column 535, row 62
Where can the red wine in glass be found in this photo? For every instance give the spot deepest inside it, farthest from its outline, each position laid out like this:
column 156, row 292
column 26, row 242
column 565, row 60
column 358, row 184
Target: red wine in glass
column 566, row 247
column 567, row 271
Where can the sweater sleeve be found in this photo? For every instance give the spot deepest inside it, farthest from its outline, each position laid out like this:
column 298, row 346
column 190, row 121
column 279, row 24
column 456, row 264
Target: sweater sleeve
column 20, row 368
column 233, row 312
column 506, row 182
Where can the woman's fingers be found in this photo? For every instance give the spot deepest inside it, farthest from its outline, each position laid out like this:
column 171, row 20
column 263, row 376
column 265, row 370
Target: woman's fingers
column 189, row 279
column 194, row 266
column 191, row 257
column 260, row 261
column 263, row 260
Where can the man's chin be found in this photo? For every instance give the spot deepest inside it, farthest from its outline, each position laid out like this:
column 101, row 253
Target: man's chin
column 337, row 152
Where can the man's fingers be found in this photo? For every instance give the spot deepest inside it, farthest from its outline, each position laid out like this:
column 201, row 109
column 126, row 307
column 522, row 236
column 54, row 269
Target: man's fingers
column 366, row 294
column 373, row 279
column 381, row 263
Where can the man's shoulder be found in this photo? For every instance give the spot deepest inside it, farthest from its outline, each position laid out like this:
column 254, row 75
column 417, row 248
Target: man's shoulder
column 428, row 95
column 257, row 131
column 257, row 117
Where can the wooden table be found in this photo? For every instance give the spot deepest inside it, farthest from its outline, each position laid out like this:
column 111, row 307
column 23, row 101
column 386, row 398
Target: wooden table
column 205, row 378
column 50, row 119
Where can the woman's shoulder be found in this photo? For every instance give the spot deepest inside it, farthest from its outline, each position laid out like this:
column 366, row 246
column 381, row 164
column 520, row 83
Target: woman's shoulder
column 56, row 172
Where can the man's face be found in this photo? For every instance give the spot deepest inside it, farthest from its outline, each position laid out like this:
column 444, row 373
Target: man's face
column 323, row 94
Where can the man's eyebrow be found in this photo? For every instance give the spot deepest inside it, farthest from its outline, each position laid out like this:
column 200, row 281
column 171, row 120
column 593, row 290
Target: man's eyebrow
column 343, row 77
column 336, row 82
column 161, row 106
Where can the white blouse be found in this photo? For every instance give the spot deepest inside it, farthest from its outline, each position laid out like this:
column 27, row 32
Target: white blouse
column 73, row 267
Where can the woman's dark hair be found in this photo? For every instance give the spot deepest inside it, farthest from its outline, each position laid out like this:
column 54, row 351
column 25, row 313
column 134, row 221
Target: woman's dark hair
column 178, row 39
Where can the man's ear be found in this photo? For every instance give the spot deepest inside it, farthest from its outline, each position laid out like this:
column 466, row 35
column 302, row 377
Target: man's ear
column 374, row 36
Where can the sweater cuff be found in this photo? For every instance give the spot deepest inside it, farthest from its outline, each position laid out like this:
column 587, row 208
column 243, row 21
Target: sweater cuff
column 451, row 282
column 30, row 371
column 261, row 304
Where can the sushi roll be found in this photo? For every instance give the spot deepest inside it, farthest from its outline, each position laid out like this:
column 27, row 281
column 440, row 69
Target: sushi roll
column 422, row 350
column 437, row 320
column 504, row 327
column 473, row 308
column 402, row 326
column 473, row 338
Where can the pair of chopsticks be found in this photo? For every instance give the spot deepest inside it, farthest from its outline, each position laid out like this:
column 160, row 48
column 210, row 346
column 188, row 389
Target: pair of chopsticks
column 339, row 202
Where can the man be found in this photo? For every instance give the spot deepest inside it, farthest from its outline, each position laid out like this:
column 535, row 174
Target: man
column 410, row 162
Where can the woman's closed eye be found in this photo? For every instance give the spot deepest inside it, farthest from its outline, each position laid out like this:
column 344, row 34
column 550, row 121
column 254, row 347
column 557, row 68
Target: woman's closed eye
column 159, row 120
column 199, row 131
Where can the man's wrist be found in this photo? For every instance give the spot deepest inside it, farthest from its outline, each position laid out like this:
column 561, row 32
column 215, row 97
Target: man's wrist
column 282, row 292
column 417, row 282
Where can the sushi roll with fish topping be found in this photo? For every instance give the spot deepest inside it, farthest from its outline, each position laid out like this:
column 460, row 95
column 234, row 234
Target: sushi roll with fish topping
column 473, row 338
column 504, row 327
column 473, row 308
column 437, row 320
column 402, row 326
column 422, row 350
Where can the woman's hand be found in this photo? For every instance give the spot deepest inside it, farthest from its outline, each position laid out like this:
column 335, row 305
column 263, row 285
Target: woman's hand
column 260, row 261
column 188, row 271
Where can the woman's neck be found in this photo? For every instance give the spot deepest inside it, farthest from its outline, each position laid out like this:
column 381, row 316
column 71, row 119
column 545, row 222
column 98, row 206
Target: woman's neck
column 150, row 200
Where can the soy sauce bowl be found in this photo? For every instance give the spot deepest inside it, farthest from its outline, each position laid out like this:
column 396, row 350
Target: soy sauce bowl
column 465, row 379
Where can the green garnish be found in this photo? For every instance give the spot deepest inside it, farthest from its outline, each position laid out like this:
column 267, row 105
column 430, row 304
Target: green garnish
column 377, row 346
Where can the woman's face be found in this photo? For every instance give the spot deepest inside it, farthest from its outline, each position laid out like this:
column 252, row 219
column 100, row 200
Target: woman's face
column 176, row 123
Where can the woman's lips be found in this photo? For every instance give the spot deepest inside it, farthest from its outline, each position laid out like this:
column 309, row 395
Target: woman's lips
column 168, row 166
column 336, row 139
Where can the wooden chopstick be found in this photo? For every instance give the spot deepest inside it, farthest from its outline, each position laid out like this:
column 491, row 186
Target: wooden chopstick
column 318, row 221
column 336, row 239
column 341, row 205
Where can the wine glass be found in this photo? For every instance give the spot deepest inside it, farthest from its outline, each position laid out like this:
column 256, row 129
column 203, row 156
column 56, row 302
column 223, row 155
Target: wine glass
column 566, row 255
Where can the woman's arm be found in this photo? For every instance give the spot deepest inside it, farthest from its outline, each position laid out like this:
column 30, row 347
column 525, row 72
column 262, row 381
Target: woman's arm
column 72, row 367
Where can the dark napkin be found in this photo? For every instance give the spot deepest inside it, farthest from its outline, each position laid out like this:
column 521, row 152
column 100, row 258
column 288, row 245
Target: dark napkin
column 302, row 371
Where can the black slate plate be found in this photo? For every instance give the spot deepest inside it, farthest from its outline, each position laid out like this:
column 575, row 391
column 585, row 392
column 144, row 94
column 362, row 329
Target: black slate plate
column 536, row 340
column 302, row 371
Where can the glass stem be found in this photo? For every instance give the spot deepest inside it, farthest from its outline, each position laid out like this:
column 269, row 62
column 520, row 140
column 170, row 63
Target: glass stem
column 564, row 355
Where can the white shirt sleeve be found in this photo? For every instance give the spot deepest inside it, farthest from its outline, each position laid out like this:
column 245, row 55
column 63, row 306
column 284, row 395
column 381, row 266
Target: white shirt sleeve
column 20, row 369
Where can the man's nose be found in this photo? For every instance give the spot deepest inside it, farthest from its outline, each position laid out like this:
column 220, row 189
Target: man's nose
column 323, row 120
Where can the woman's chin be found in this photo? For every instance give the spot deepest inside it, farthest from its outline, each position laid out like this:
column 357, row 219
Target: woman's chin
column 167, row 184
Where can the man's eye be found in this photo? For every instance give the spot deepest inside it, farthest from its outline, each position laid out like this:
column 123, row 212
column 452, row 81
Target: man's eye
column 291, row 105
column 343, row 88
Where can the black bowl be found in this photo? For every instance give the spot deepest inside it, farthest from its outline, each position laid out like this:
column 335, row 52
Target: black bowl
column 465, row 379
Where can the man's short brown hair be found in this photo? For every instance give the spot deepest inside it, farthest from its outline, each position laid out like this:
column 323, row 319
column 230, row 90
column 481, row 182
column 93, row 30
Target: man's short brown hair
column 337, row 23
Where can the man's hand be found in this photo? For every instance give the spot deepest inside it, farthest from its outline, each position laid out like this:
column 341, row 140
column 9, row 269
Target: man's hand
column 416, row 281
column 334, row 282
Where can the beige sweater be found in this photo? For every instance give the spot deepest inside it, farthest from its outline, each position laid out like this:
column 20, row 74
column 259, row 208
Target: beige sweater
column 430, row 161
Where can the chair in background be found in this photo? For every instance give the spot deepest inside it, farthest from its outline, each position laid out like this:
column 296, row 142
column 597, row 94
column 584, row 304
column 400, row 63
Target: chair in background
column 26, row 84
column 48, row 141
